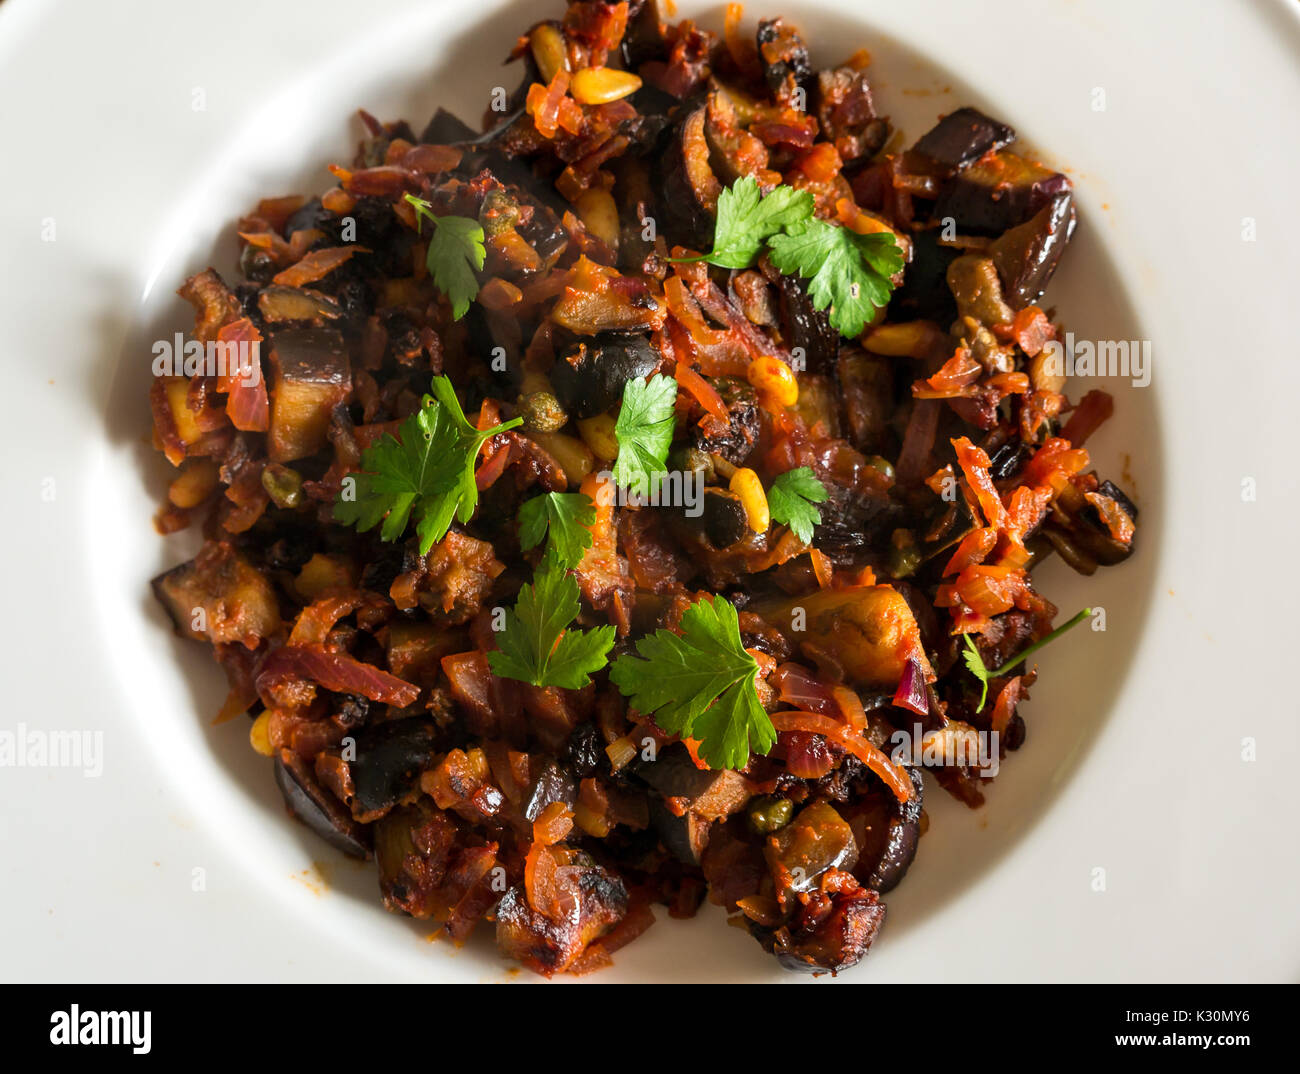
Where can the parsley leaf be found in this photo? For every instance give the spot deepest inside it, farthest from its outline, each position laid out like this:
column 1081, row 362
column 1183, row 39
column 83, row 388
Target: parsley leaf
column 746, row 219
column 644, row 431
column 428, row 471
column 567, row 515
column 846, row 272
column 536, row 646
column 700, row 684
column 791, row 498
column 975, row 662
column 455, row 252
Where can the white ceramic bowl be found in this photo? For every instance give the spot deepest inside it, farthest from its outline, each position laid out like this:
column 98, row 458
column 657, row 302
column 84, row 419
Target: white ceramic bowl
column 181, row 854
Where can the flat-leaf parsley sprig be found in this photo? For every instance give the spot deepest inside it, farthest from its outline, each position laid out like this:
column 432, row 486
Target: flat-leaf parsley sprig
column 791, row 498
column 644, row 431
column 700, row 684
column 426, row 471
column 975, row 662
column 537, row 645
column 455, row 253
column 848, row 274
column 564, row 517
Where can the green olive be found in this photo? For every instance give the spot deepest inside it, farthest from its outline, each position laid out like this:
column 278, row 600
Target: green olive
column 879, row 462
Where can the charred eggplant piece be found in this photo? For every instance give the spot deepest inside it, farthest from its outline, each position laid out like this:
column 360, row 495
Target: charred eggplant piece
column 867, row 384
column 744, row 422
column 552, row 785
column 817, row 840
column 311, row 375
column 833, row 942
column 688, row 188
column 959, row 139
column 724, row 517
column 887, row 835
column 389, row 759
column 805, row 330
column 238, row 602
column 589, row 379
column 784, row 57
column 446, row 128
column 924, row 294
column 317, row 808
column 548, row 946
column 1027, row 255
column 644, row 39
column 998, row 192
column 698, row 798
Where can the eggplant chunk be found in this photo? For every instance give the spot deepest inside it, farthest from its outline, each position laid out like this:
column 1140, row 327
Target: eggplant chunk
column 644, row 39
column 389, row 759
column 317, row 808
column 737, row 441
column 887, row 835
column 924, row 294
column 867, row 386
column 869, row 631
column 1026, row 256
column 815, row 841
column 998, row 192
column 686, row 836
column 687, row 187
column 807, row 332
column 959, row 139
column 311, row 375
column 236, row 600
column 724, row 518
column 832, row 942
column 698, row 798
column 784, row 57
column 978, row 290
column 552, row 785
column 589, row 379
column 549, row 947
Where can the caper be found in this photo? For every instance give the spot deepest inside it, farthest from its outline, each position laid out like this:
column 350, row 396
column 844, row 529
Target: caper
column 904, row 556
column 256, row 264
column 693, row 459
column 542, row 412
column 879, row 462
column 498, row 214
column 769, row 813
column 282, row 484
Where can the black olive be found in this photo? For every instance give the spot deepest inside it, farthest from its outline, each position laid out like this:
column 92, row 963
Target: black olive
column 589, row 378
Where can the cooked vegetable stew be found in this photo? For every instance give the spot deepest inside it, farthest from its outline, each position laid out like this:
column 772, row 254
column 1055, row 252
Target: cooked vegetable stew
column 617, row 484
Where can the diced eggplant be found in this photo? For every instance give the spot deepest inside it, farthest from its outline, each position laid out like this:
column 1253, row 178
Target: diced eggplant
column 998, row 192
column 414, row 845
column 1009, row 459
column 1087, row 531
column 806, row 331
column 867, row 386
column 959, row 139
column 723, row 517
column 847, row 115
column 317, row 808
column 688, row 189
column 1027, row 255
column 924, row 294
column 643, row 40
column 708, row 793
column 446, row 128
column 685, row 836
column 237, row 602
column 552, row 785
column 549, row 947
column 589, row 378
column 743, row 427
column 816, row 840
column 833, row 942
column 978, row 291
column 869, row 630
column 389, row 759
column 887, row 835
column 311, row 215
column 311, row 375
column 278, row 304
column 784, row 57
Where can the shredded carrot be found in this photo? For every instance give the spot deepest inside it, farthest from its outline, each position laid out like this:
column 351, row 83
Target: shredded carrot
column 703, row 391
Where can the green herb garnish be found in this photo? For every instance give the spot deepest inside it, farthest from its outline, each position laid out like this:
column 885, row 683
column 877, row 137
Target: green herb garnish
column 567, row 516
column 975, row 663
column 700, row 684
column 537, row 645
column 846, row 272
column 746, row 219
column 790, row 500
column 456, row 252
column 428, row 471
column 644, row 431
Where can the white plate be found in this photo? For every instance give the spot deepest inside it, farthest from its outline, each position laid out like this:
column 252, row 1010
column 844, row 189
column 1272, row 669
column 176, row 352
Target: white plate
column 178, row 861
